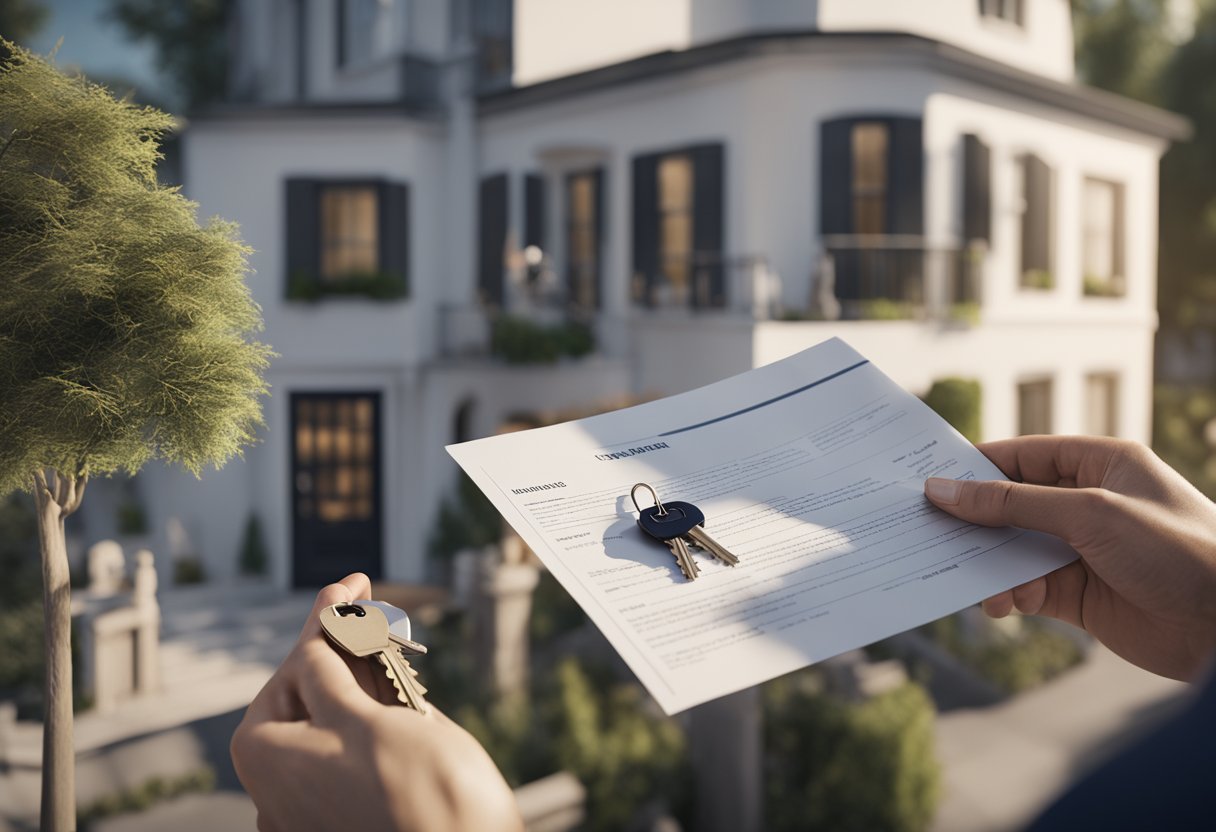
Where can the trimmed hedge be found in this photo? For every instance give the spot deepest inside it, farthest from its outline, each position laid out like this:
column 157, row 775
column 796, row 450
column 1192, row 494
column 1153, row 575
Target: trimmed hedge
column 957, row 400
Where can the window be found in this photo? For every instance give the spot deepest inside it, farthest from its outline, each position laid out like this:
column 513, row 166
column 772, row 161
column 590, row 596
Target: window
column 346, row 237
column 1102, row 238
column 870, row 140
column 1037, row 254
column 679, row 227
column 368, row 30
column 583, row 238
column 1034, row 407
column 350, row 238
column 1102, row 404
column 1010, row 10
column 675, row 224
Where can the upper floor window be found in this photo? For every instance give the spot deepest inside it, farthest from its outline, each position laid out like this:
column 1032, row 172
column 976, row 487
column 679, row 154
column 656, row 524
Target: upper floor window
column 346, row 237
column 1102, row 238
column 583, row 210
column 1011, row 10
column 368, row 30
column 1037, row 217
column 678, row 227
column 349, row 231
column 675, row 223
column 870, row 153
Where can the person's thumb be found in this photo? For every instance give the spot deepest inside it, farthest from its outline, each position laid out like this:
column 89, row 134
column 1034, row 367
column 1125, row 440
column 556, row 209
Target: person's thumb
column 1059, row 511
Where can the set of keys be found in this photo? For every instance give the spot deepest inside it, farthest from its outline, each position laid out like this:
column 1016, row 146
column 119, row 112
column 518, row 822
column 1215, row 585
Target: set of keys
column 679, row 525
column 374, row 629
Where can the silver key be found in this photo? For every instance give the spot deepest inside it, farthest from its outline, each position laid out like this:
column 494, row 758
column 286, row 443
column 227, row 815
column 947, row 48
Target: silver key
column 398, row 626
column 684, row 558
column 364, row 631
column 701, row 539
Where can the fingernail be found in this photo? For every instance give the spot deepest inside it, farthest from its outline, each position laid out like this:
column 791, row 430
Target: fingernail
column 942, row 491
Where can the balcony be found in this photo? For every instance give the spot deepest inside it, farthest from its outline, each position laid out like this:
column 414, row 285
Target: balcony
column 891, row 277
column 737, row 285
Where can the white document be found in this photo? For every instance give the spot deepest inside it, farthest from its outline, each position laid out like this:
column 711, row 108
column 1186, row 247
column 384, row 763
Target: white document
column 810, row 470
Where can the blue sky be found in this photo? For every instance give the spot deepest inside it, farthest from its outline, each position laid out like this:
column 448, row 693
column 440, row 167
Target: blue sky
column 99, row 47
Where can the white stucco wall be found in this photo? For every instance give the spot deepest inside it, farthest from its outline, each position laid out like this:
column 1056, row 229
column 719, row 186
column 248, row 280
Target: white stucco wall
column 1043, row 45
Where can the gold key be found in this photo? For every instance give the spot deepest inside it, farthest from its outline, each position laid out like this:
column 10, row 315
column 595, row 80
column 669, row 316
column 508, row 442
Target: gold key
column 363, row 631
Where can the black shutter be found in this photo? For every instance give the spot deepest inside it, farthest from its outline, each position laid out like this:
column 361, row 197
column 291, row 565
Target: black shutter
column 492, row 238
column 646, row 223
column 906, row 178
column 977, row 190
column 302, row 233
column 1036, row 221
column 597, row 185
column 836, row 176
column 708, row 223
column 395, row 232
column 534, row 211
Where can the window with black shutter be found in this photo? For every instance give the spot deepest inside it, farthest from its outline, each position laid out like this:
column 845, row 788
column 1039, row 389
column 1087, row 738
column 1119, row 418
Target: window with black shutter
column 584, row 224
column 347, row 238
column 977, row 191
column 871, row 176
column 679, row 227
column 1036, row 223
column 534, row 211
column 492, row 238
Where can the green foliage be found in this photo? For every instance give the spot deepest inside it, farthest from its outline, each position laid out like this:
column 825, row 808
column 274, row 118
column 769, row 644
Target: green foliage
column 1102, row 287
column 468, row 520
column 965, row 312
column 1012, row 663
column 838, row 766
column 124, row 326
column 886, row 309
column 253, row 559
column 132, row 518
column 375, row 285
column 190, row 40
column 957, row 400
column 1183, row 419
column 519, row 341
column 188, row 570
column 621, row 753
column 1038, row 279
column 147, row 795
column 1122, row 45
column 554, row 612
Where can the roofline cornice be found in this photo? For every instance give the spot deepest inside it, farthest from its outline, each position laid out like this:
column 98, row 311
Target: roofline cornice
column 928, row 53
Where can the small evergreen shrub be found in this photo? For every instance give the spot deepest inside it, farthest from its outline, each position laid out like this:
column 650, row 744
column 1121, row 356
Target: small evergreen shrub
column 253, row 558
column 957, row 400
column 844, row 767
column 188, row 570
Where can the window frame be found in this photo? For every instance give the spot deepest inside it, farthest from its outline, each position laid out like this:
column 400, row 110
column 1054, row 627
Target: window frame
column 583, row 276
column 324, row 186
column 1112, row 415
column 1047, row 381
column 1113, row 285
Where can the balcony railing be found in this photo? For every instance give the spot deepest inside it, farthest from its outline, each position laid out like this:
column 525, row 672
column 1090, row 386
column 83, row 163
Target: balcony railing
column 740, row 284
column 895, row 277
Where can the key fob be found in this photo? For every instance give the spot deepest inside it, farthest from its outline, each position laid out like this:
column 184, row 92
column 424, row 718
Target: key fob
column 677, row 522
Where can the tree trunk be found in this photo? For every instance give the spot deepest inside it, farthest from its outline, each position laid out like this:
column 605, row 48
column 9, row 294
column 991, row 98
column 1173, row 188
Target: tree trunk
column 57, row 496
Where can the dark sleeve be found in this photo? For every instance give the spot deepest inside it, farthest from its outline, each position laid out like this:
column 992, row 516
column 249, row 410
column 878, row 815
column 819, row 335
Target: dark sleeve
column 1166, row 780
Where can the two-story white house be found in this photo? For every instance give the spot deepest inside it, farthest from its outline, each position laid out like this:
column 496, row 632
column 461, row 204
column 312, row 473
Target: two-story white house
column 707, row 185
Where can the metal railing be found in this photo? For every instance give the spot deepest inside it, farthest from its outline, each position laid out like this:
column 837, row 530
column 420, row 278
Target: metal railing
column 895, row 277
column 740, row 284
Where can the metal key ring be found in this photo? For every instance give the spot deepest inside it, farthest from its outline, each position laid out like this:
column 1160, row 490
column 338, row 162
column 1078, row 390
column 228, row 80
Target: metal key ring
column 633, row 496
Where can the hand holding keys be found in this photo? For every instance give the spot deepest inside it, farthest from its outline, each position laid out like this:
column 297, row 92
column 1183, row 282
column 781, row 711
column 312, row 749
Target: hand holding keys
column 374, row 628
column 677, row 524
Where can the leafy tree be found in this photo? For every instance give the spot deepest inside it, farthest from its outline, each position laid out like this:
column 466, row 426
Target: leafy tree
column 1123, row 44
column 125, row 331
column 190, row 42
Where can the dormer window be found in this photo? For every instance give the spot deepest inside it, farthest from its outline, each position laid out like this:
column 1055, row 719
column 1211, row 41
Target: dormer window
column 1012, row 11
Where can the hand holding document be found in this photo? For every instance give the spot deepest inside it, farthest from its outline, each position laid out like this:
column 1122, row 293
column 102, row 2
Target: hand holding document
column 809, row 470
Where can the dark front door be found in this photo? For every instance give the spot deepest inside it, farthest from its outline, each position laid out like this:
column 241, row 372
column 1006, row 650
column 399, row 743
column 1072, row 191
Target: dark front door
column 335, row 494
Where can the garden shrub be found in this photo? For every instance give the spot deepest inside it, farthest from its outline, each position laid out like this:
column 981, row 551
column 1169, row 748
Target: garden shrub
column 253, row 558
column 957, row 400
column 466, row 520
column 1014, row 663
column 519, row 341
column 848, row 767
